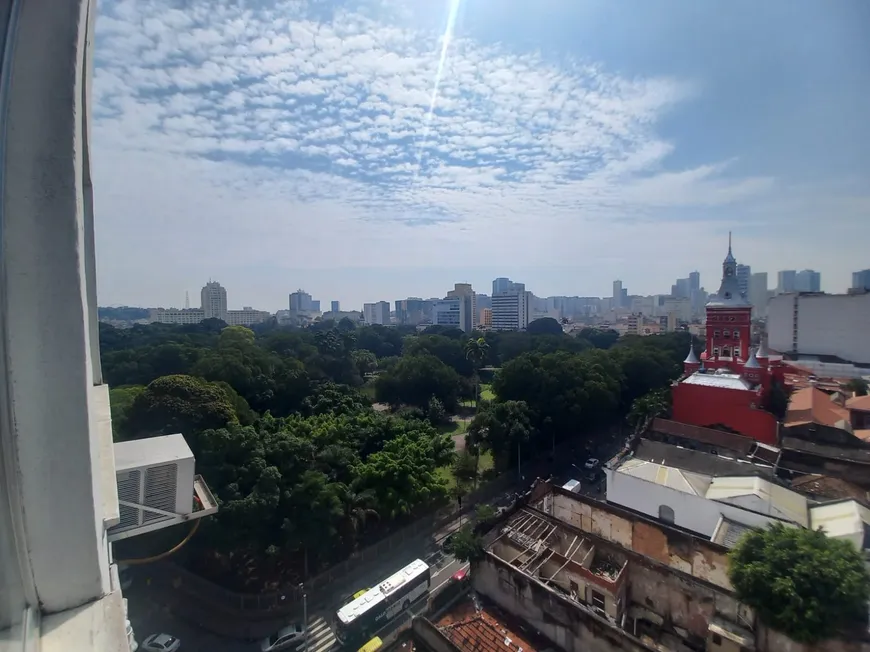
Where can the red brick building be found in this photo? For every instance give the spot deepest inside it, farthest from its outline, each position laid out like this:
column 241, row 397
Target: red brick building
column 728, row 385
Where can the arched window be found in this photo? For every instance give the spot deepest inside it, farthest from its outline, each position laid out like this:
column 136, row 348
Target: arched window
column 666, row 514
column 726, row 352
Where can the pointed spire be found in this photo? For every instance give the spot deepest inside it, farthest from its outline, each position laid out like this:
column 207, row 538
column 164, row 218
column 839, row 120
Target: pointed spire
column 691, row 358
column 730, row 257
column 762, row 352
column 752, row 363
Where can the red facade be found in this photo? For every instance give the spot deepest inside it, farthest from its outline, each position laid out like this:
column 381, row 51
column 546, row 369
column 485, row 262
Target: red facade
column 728, row 385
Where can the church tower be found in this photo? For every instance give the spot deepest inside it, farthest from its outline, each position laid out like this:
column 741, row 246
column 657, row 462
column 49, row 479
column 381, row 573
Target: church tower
column 729, row 321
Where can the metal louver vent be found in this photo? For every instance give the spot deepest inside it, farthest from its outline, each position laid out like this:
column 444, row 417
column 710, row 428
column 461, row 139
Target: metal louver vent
column 160, row 490
column 128, row 490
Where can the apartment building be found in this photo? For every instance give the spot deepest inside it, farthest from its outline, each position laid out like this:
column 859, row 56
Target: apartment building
column 511, row 309
column 377, row 313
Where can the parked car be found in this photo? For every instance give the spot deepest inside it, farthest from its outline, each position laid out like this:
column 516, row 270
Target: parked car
column 160, row 643
column 592, row 463
column 572, row 485
column 284, row 639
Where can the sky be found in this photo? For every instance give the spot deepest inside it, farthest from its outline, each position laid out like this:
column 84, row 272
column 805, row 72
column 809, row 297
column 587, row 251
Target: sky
column 368, row 150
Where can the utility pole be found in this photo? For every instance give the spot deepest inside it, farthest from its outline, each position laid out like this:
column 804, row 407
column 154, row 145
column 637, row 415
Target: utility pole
column 304, row 616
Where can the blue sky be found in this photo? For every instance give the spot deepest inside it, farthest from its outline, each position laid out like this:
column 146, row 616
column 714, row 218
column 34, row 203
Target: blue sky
column 375, row 149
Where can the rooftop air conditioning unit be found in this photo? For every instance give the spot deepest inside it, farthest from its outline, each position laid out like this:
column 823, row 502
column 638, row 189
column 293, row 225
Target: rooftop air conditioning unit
column 157, row 486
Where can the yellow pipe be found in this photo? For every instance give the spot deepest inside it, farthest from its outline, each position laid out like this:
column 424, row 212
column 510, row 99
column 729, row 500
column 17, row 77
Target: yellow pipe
column 162, row 555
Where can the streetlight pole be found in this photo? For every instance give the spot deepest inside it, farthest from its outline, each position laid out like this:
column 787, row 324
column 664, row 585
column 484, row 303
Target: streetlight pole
column 519, row 471
column 304, row 616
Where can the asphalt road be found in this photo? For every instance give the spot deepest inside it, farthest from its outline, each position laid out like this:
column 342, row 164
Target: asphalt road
column 148, row 615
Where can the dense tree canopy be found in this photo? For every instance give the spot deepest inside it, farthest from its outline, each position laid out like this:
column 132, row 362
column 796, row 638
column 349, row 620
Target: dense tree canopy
column 801, row 582
column 283, row 428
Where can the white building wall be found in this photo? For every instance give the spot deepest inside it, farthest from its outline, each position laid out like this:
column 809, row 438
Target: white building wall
column 820, row 324
column 694, row 513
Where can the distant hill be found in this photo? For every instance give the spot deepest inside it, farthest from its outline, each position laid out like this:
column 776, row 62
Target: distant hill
column 123, row 313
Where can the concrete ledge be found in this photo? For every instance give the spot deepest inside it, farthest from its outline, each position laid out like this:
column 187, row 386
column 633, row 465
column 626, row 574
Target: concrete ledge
column 98, row 625
column 102, row 411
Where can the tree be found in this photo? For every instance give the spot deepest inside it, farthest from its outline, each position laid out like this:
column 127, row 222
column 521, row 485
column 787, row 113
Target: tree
column 545, row 326
column 365, row 361
column 466, row 545
column 416, row 379
column 777, row 400
column 858, row 386
column 501, row 428
column 180, row 404
column 121, row 400
column 476, row 350
column 656, row 403
column 800, row 582
column 465, row 468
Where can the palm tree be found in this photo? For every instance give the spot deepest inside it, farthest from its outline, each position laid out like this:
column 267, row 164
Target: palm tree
column 476, row 350
column 357, row 508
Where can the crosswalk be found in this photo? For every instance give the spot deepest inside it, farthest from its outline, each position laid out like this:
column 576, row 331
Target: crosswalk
column 320, row 636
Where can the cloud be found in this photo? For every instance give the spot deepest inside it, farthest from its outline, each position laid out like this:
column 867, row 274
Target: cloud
column 299, row 134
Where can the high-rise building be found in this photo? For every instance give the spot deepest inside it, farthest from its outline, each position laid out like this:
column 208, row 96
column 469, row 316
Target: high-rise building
column 861, row 280
column 617, row 294
column 300, row 302
column 412, row 311
column 335, row 306
column 694, row 281
column 785, row 281
column 377, row 313
column 743, row 274
column 501, row 284
column 758, row 294
column 486, row 317
column 465, row 292
column 511, row 310
column 214, row 301
column 808, row 280
column 450, row 312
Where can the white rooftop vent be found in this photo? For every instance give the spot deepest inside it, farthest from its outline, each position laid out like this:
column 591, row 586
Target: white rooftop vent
column 157, row 486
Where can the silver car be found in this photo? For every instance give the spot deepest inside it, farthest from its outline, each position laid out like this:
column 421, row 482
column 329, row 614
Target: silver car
column 286, row 638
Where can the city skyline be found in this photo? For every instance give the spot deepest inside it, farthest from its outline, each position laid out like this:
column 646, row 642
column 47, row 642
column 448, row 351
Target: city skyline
column 355, row 144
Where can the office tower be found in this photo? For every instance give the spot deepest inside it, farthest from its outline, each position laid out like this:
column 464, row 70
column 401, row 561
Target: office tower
column 861, row 280
column 377, row 313
column 214, row 301
column 451, row 312
column 743, row 274
column 510, row 310
column 694, row 281
column 808, row 280
column 315, row 305
column 300, row 301
column 500, row 285
column 335, row 306
column 617, row 294
column 785, row 281
column 695, row 295
column 412, row 311
column 465, row 292
column 758, row 294
column 682, row 288
column 486, row 317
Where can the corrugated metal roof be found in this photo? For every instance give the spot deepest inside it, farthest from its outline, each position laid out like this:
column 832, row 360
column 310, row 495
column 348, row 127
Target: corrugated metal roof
column 780, row 502
column 845, row 518
column 724, row 381
column 666, row 476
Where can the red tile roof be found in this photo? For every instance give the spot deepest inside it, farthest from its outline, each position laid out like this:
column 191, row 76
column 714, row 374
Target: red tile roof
column 812, row 405
column 861, row 403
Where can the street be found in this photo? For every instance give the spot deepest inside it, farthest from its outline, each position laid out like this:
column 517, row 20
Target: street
column 148, row 615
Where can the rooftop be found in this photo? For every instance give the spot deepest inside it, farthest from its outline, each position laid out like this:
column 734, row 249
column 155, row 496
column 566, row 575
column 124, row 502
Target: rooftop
column 812, row 405
column 826, row 487
column 861, row 403
column 761, row 496
column 728, row 532
column 850, row 454
column 723, row 381
column 473, row 625
column 843, row 519
column 697, row 461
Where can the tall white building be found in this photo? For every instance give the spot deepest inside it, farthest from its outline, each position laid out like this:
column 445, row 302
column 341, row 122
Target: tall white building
column 758, row 294
column 744, row 273
column 511, row 310
column 377, row 313
column 820, row 324
column 617, row 294
column 214, row 301
column 861, row 280
column 450, row 312
column 785, row 281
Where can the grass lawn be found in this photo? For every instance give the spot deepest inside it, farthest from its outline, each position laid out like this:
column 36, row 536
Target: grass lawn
column 454, row 427
column 446, row 472
column 486, row 392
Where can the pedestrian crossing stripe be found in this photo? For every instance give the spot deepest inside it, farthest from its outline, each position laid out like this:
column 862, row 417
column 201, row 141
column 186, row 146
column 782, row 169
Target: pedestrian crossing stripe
column 320, row 637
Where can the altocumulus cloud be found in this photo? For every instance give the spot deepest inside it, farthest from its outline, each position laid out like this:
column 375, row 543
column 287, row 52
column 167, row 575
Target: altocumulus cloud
column 282, row 130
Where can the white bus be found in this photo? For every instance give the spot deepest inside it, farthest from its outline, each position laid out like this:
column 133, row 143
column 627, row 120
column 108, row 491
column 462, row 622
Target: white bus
column 367, row 614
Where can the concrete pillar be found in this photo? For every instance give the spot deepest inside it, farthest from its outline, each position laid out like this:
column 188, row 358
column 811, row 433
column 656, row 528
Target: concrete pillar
column 48, row 312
